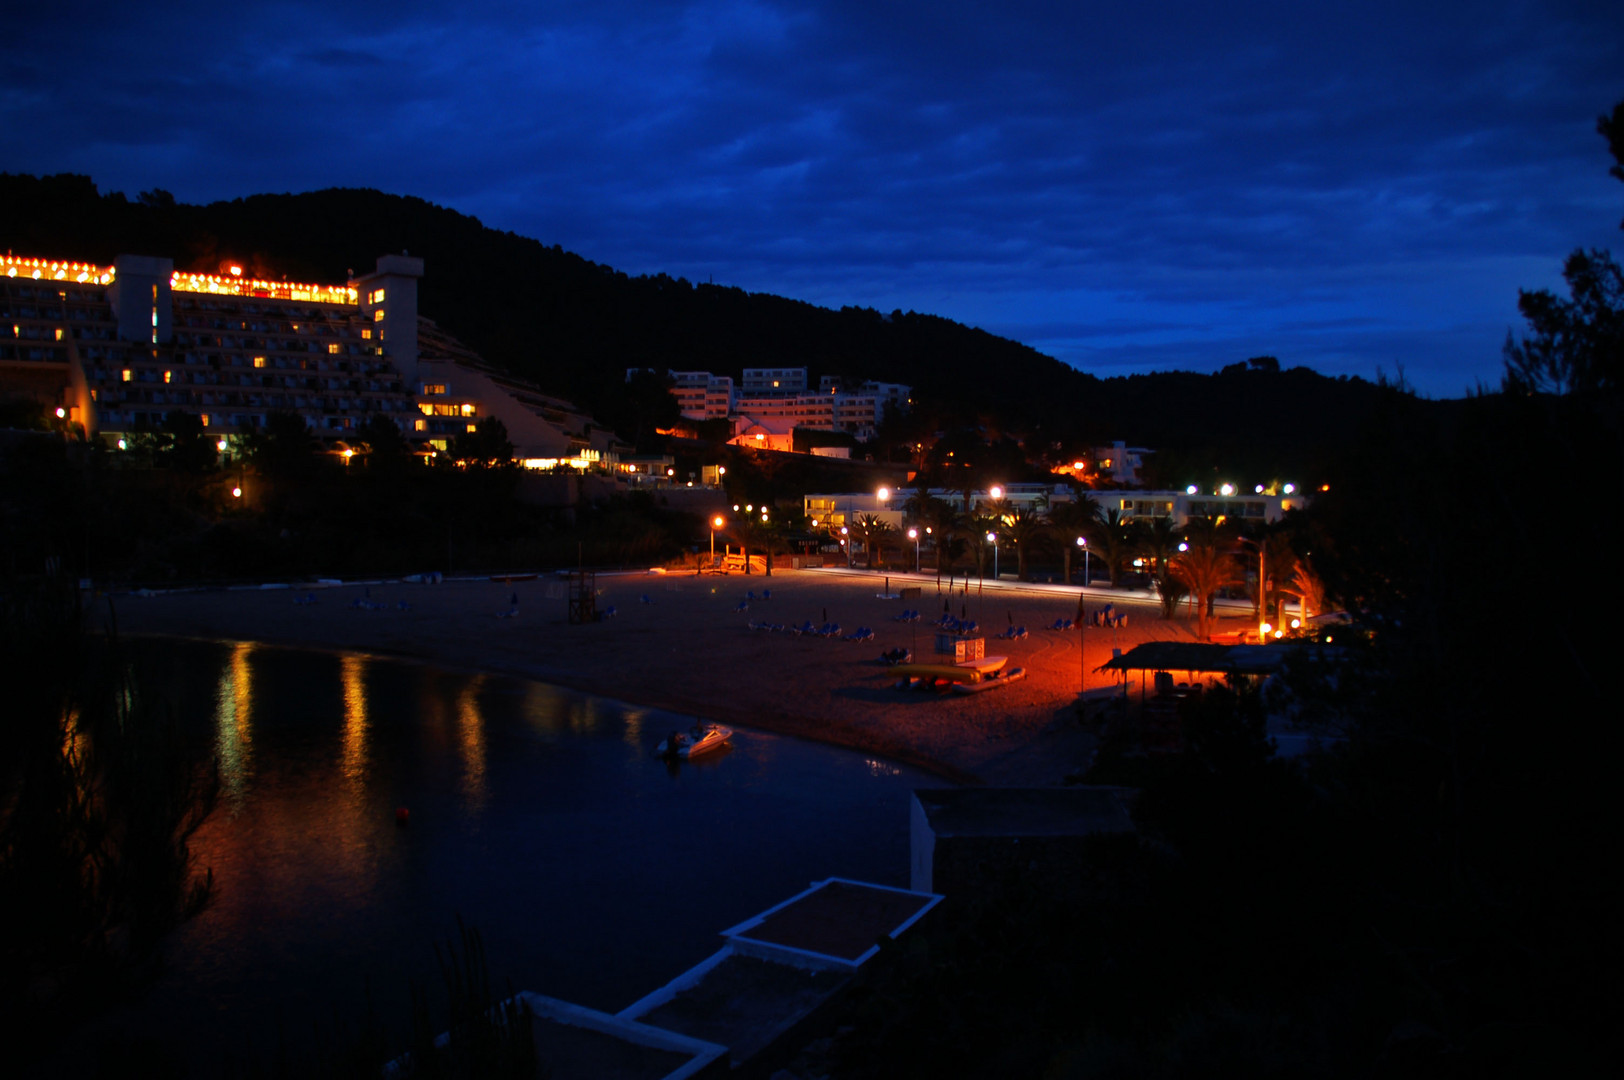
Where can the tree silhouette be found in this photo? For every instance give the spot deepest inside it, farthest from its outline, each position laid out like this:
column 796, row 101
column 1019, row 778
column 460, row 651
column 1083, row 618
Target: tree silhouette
column 1027, row 529
column 485, row 446
column 1204, row 568
column 1577, row 344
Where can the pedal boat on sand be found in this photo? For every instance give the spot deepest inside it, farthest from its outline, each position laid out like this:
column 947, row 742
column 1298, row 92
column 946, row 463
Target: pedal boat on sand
column 702, row 739
column 964, row 673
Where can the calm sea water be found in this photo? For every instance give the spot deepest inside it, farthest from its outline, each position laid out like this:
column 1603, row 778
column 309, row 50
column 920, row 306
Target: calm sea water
column 594, row 871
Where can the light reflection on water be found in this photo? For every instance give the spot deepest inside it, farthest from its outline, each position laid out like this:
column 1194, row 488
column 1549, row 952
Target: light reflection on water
column 352, row 672
column 233, row 745
column 593, row 871
column 471, row 742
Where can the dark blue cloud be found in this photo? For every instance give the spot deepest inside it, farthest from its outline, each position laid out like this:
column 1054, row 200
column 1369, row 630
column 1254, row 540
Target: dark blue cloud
column 1341, row 185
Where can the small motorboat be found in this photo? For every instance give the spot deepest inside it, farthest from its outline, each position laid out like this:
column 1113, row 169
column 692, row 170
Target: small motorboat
column 701, row 739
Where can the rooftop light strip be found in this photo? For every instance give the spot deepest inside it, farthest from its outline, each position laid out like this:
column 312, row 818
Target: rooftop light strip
column 275, row 290
column 55, row 270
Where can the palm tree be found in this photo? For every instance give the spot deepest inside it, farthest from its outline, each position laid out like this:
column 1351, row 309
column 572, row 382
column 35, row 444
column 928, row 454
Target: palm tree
column 1026, row 529
column 1070, row 520
column 936, row 517
column 872, row 529
column 975, row 528
column 1205, row 568
column 1108, row 539
column 1307, row 588
column 1155, row 540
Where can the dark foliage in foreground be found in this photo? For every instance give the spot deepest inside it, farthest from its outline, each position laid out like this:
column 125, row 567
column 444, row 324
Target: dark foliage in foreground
column 98, row 800
column 1435, row 899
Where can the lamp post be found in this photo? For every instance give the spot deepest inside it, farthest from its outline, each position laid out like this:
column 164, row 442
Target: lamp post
column 715, row 523
column 913, row 534
column 1082, row 542
column 992, row 537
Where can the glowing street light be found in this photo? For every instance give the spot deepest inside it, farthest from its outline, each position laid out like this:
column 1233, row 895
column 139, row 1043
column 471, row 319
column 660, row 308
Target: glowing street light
column 1191, row 490
column 1227, row 489
column 913, row 534
column 715, row 523
column 1290, row 489
column 992, row 538
column 995, row 492
column 1082, row 542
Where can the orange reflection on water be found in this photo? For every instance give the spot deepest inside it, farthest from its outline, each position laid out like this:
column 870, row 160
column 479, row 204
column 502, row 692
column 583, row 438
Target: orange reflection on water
column 233, row 735
column 352, row 673
column 471, row 742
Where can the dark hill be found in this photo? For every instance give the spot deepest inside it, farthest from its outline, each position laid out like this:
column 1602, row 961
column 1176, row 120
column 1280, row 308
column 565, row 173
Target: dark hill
column 575, row 326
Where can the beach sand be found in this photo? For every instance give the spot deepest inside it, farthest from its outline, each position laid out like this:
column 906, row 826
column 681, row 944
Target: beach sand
column 690, row 650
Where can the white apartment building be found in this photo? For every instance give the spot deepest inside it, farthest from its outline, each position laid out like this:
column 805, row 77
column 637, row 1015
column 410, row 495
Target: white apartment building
column 118, row 348
column 770, row 403
column 703, row 396
column 773, row 381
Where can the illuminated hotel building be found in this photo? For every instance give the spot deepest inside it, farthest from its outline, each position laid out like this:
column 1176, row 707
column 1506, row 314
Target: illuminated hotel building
column 117, row 348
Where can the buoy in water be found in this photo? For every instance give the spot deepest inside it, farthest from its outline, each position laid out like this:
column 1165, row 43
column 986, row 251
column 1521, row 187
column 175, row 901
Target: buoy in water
column 402, row 815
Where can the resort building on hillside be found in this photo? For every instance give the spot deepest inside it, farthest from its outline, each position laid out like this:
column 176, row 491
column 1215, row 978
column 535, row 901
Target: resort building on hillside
column 768, row 404
column 118, row 348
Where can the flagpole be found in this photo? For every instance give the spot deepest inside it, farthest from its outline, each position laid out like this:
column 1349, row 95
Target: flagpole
column 1082, row 657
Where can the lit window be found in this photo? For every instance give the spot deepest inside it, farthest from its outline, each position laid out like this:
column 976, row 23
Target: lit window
column 59, row 333
column 334, row 348
column 259, row 361
column 473, row 427
column 377, row 316
column 125, row 374
column 167, row 375
column 205, row 419
column 426, row 409
column 420, row 425
column 375, row 296
column 467, row 410
column 432, row 389
column 366, row 334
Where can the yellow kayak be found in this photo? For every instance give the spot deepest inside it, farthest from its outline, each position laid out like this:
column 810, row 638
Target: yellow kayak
column 970, row 671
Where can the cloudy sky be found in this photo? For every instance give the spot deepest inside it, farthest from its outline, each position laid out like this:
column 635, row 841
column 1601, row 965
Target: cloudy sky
column 1127, row 187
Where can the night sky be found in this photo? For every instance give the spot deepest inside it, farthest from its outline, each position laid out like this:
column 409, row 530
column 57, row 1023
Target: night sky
column 1127, row 187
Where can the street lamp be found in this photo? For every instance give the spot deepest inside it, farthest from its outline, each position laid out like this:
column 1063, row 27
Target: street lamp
column 715, row 523
column 1082, row 542
column 845, row 542
column 913, row 534
column 995, row 492
column 992, row 538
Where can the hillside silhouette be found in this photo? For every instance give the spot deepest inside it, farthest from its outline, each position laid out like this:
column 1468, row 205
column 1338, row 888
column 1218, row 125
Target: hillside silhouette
column 574, row 326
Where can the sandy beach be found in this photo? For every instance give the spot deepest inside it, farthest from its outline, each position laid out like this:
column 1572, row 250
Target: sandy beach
column 681, row 642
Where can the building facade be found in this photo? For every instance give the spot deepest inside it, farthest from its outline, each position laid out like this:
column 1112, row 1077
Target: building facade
column 118, row 348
